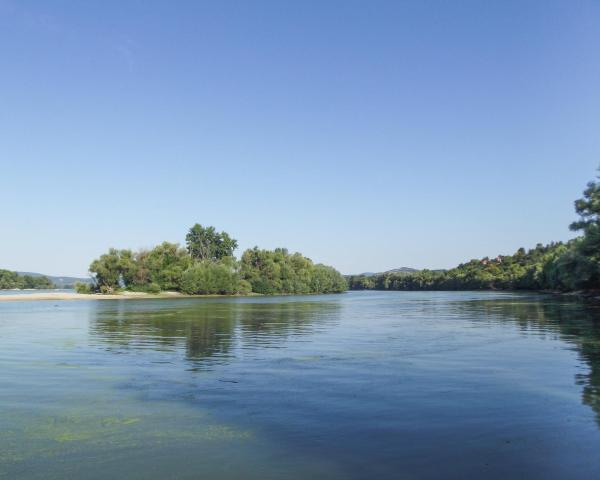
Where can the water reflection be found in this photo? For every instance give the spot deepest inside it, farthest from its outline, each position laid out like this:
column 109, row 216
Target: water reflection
column 365, row 385
column 211, row 333
column 573, row 322
column 208, row 332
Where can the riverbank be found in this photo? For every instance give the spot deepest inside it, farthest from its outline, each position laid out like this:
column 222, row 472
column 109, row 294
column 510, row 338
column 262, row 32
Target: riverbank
column 590, row 296
column 98, row 296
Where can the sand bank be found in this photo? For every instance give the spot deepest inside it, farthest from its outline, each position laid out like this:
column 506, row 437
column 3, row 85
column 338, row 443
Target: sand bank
column 28, row 297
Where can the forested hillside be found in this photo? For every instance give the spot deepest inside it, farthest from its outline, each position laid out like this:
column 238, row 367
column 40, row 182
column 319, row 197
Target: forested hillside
column 574, row 265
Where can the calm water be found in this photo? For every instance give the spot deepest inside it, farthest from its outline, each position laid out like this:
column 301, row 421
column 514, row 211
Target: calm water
column 364, row 385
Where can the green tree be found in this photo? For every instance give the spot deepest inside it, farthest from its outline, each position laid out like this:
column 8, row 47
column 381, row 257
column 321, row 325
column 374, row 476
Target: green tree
column 205, row 243
column 588, row 208
column 211, row 278
column 207, row 266
column 165, row 265
column 278, row 271
column 81, row 287
column 585, row 263
column 37, row 282
column 12, row 280
column 109, row 268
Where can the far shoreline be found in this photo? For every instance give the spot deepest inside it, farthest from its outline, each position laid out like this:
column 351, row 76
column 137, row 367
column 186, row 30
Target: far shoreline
column 47, row 296
column 592, row 297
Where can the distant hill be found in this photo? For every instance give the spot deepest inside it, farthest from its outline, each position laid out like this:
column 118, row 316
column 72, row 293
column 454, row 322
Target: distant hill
column 402, row 270
column 60, row 282
column 394, row 270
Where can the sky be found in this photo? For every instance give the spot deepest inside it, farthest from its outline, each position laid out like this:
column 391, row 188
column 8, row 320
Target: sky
column 366, row 135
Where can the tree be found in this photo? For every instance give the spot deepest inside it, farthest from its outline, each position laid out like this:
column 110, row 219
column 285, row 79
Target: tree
column 207, row 266
column 211, row 278
column 205, row 243
column 584, row 264
column 277, row 271
column 588, row 208
column 165, row 265
column 11, row 280
column 108, row 269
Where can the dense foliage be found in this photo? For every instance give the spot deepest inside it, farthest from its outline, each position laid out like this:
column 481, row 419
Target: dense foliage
column 207, row 266
column 206, row 244
column 12, row 280
column 574, row 265
column 278, row 271
column 207, row 277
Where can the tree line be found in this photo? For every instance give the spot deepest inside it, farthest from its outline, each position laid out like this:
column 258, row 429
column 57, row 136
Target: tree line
column 207, row 266
column 559, row 266
column 12, row 280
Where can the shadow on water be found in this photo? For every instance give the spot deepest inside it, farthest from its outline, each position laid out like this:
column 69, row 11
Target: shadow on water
column 208, row 333
column 574, row 322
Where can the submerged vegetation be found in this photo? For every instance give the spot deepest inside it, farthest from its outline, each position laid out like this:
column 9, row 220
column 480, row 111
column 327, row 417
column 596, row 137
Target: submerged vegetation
column 574, row 265
column 13, row 280
column 207, row 266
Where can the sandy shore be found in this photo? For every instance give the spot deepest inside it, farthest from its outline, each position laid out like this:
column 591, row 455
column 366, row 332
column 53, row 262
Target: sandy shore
column 81, row 296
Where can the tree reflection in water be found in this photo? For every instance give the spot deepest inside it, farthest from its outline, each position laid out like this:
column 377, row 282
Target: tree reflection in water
column 208, row 332
column 214, row 332
column 574, row 322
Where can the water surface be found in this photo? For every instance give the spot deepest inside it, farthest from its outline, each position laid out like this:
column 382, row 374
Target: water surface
column 387, row 385
column 29, row 291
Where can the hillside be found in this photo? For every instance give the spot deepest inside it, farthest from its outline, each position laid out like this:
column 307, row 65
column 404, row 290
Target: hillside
column 60, row 282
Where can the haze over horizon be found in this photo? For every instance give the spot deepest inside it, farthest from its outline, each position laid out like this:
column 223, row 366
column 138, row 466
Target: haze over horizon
column 366, row 136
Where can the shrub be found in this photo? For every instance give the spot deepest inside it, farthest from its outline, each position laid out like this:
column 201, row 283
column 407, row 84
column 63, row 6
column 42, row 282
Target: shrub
column 244, row 287
column 153, row 288
column 83, row 288
column 210, row 278
column 277, row 271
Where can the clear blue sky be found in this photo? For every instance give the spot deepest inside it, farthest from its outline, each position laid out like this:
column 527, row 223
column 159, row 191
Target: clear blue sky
column 367, row 135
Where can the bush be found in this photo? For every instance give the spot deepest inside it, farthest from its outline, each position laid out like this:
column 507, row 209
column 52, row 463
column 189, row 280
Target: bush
column 244, row 287
column 277, row 271
column 83, row 288
column 153, row 288
column 210, row 278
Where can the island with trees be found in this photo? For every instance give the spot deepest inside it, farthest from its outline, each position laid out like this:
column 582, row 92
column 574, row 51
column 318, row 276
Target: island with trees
column 561, row 266
column 207, row 266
